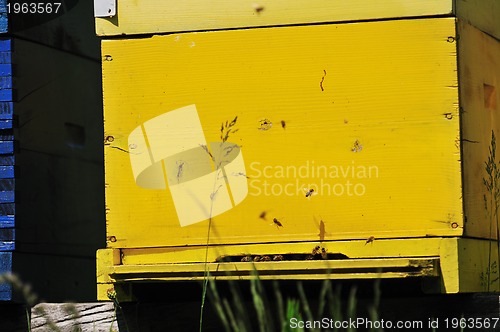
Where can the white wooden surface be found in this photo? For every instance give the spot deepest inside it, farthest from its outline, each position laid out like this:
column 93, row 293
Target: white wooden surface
column 84, row 317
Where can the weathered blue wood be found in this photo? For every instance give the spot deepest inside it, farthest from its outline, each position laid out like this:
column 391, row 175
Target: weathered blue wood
column 7, row 197
column 5, row 81
column 6, row 135
column 7, row 209
column 7, row 160
column 6, row 172
column 7, row 234
column 6, row 69
column 5, row 94
column 6, row 124
column 5, row 44
column 5, row 267
column 6, row 110
column 5, row 51
column 4, row 19
column 7, row 246
column 6, row 147
column 5, row 57
column 7, row 221
column 7, row 184
column 7, row 237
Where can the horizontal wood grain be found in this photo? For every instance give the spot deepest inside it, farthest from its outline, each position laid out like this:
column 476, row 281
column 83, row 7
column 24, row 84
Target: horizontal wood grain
column 149, row 17
column 95, row 317
column 350, row 95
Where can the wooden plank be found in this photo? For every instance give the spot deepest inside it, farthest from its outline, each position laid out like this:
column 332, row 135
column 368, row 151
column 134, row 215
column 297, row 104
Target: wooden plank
column 482, row 14
column 6, row 172
column 148, row 17
column 6, row 110
column 5, row 267
column 6, row 147
column 352, row 249
column 4, row 22
column 95, row 317
column 318, row 80
column 479, row 69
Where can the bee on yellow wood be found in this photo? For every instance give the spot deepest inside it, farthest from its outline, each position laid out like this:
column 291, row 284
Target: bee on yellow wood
column 309, row 192
column 277, row 223
column 265, row 124
column 316, row 249
column 324, row 254
column 370, row 240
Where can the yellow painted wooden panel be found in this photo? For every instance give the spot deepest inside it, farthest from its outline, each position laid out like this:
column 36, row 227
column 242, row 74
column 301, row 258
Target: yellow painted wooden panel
column 379, row 248
column 479, row 74
column 142, row 17
column 370, row 115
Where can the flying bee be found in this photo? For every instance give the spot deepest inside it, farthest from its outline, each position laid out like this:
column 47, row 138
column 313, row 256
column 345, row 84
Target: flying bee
column 370, row 240
column 283, row 124
column 316, row 249
column 258, row 8
column 309, row 192
column 263, row 215
column 277, row 223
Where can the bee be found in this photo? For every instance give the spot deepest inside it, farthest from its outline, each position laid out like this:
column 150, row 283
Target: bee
column 277, row 223
column 265, row 259
column 309, row 257
column 256, row 258
column 277, row 258
column 324, row 254
column 316, row 249
column 309, row 192
column 246, row 259
column 370, row 240
column 357, row 147
column 263, row 215
column 283, row 124
column 265, row 124
column 258, row 8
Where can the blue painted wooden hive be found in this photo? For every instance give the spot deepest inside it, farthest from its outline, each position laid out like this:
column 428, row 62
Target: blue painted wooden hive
column 51, row 173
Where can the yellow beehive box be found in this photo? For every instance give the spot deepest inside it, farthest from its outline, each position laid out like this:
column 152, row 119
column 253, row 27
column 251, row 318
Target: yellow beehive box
column 369, row 139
